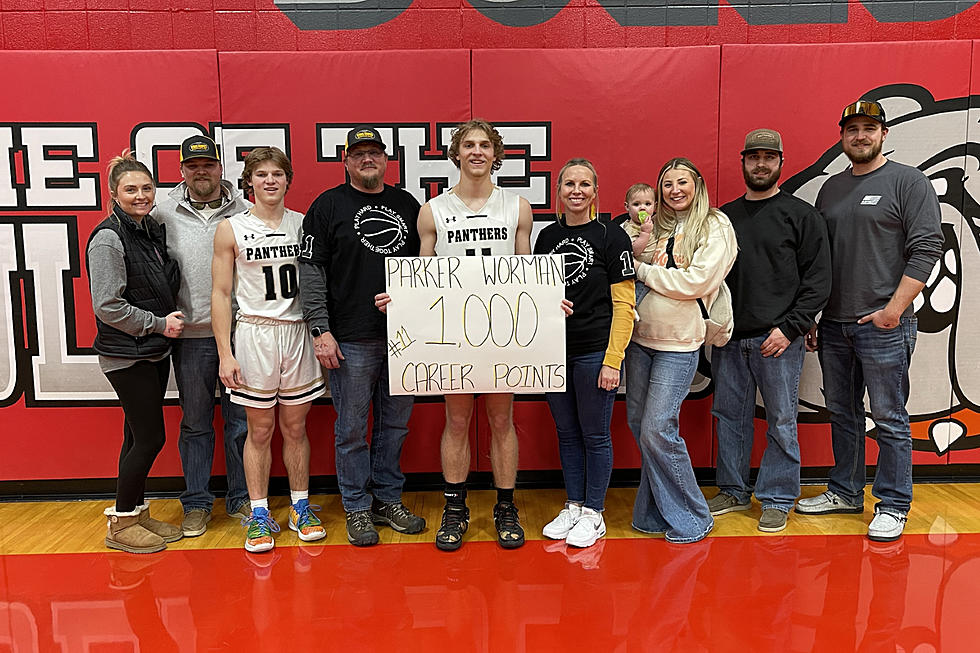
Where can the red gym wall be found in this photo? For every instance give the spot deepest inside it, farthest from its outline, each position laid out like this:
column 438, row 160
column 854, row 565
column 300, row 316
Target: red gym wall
column 623, row 103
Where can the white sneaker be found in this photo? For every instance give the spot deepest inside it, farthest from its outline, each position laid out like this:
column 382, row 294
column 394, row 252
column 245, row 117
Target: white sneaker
column 589, row 528
column 886, row 526
column 558, row 528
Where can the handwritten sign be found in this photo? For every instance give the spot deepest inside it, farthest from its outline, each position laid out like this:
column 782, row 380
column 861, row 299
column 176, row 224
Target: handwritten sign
column 465, row 324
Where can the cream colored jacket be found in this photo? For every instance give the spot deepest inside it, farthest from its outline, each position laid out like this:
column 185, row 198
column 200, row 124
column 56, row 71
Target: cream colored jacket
column 670, row 319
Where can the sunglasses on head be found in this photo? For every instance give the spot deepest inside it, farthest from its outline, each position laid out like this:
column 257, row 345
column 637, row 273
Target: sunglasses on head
column 864, row 108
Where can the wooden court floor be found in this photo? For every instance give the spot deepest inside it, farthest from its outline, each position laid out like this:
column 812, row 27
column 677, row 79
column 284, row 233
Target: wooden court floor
column 78, row 526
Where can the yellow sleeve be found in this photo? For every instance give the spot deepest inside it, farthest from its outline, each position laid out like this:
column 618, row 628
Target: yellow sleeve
column 623, row 301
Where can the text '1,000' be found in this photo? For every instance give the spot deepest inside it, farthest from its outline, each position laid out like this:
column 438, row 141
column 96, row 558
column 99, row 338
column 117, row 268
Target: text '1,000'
column 475, row 324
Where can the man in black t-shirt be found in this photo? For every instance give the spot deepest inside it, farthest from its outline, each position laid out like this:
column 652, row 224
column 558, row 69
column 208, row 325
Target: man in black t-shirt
column 347, row 233
column 779, row 283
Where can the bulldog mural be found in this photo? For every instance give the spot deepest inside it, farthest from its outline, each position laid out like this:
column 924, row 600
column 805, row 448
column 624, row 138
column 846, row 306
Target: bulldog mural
column 945, row 394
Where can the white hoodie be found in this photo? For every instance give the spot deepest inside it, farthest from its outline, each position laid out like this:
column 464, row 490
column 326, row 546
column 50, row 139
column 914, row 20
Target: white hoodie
column 670, row 318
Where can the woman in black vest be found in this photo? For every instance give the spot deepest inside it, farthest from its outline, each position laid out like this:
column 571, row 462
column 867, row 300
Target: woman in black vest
column 134, row 285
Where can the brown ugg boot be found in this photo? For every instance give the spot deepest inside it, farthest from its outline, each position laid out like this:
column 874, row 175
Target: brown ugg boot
column 167, row 532
column 124, row 532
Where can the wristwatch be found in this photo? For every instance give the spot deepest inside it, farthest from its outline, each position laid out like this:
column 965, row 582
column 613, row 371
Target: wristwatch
column 316, row 332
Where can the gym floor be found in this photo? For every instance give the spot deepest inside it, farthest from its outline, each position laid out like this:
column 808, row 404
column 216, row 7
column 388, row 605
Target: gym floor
column 820, row 585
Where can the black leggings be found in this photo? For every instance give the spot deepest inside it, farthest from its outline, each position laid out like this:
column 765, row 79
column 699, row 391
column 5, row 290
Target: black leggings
column 140, row 389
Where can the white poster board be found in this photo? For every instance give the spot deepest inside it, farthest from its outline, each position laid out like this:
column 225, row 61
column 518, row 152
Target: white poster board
column 468, row 324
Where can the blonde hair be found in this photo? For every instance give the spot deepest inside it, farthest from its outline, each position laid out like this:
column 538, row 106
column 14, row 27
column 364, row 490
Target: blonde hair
column 636, row 189
column 120, row 165
column 463, row 129
column 585, row 163
column 700, row 212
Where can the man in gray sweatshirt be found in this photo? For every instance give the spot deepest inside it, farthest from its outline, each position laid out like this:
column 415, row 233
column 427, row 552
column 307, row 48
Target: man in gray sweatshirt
column 884, row 221
column 192, row 212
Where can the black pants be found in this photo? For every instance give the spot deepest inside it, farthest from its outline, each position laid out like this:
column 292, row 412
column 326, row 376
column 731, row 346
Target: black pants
column 140, row 389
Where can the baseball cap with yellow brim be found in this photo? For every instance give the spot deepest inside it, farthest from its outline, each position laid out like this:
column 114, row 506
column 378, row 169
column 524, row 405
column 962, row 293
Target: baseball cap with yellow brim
column 198, row 147
column 363, row 134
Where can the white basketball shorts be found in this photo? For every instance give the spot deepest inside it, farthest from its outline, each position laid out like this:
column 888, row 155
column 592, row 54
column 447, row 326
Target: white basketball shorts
column 278, row 363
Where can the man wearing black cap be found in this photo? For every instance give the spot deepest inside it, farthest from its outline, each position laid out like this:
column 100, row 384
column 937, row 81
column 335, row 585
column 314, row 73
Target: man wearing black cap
column 883, row 220
column 779, row 283
column 348, row 232
column 192, row 212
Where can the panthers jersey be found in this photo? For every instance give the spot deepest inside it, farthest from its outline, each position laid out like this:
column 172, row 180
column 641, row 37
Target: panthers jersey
column 490, row 231
column 266, row 274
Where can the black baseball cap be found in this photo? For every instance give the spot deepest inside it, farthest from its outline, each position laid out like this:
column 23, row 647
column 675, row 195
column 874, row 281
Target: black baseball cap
column 198, row 147
column 869, row 108
column 363, row 134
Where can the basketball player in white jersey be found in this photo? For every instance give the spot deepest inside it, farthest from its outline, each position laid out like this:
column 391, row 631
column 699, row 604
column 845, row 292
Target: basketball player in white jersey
column 476, row 218
column 255, row 253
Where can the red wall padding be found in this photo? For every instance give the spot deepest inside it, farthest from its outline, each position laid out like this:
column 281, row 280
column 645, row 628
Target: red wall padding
column 628, row 110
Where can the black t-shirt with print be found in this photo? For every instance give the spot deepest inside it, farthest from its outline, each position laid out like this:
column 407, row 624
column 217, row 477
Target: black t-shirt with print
column 597, row 255
column 349, row 234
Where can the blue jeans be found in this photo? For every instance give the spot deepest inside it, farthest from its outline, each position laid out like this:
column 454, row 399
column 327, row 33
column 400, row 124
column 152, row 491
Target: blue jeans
column 582, row 414
column 357, row 386
column 196, row 370
column 668, row 500
column 738, row 369
column 854, row 357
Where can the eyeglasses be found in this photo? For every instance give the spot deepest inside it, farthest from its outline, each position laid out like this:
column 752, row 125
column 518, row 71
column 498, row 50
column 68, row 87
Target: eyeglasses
column 358, row 155
column 863, row 108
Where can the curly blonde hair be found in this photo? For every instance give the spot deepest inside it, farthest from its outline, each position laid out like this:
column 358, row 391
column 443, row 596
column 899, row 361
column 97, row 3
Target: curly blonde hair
column 463, row 129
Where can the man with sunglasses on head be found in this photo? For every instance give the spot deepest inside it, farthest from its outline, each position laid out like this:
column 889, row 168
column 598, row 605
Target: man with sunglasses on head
column 883, row 220
column 348, row 232
column 192, row 212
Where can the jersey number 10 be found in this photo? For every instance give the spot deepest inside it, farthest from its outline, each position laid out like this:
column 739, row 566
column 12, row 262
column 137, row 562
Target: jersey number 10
column 287, row 281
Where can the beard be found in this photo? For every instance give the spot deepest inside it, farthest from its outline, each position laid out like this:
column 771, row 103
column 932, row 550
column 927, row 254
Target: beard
column 204, row 188
column 761, row 185
column 864, row 157
column 371, row 180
